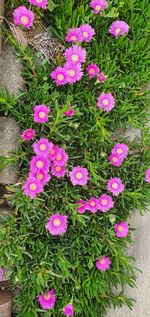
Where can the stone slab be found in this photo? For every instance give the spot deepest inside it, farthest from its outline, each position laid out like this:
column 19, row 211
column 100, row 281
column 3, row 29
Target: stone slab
column 10, row 70
column 9, row 132
column 1, row 14
column 5, row 304
column 141, row 251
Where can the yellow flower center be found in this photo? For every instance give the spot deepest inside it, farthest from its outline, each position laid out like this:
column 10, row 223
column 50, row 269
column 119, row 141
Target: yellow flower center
column 59, row 157
column 56, row 222
column 58, row 168
column 119, row 151
column 120, row 228
column 24, row 19
column 118, row 30
column 92, row 203
column 39, row 164
column 47, row 296
column 102, row 261
column 42, row 147
column 40, row 176
column 105, row 102
column 114, row 185
column 85, row 34
column 104, row 202
column 73, row 38
column 71, row 72
column 52, row 151
column 91, row 71
column 33, row 186
column 60, row 77
column 79, row 175
column 98, row 8
column 115, row 159
column 75, row 58
column 42, row 114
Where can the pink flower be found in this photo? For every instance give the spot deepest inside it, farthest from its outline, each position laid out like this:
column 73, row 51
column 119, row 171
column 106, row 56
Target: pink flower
column 121, row 230
column 70, row 112
column 74, row 72
column 101, row 77
column 106, row 102
column 105, row 203
column 32, row 187
column 28, row 134
column 98, row 5
column 118, row 28
column 41, row 176
column 92, row 70
column 41, row 113
column 2, row 272
column 69, row 310
column 147, row 175
column 74, row 35
column 120, row 149
column 59, row 75
column 58, row 171
column 75, row 54
column 39, row 3
column 61, row 158
column 53, row 152
column 115, row 159
column 103, row 264
column 81, row 206
column 57, row 224
column 23, row 16
column 47, row 300
column 87, row 32
column 79, row 176
column 115, row 186
column 42, row 147
column 39, row 163
column 92, row 205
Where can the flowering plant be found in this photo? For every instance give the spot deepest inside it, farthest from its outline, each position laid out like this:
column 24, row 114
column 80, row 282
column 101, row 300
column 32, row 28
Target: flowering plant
column 80, row 178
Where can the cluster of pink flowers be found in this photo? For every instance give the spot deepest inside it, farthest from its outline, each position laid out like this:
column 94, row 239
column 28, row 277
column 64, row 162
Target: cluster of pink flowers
column 118, row 154
column 104, row 203
column 75, row 56
column 118, row 27
column 48, row 299
column 84, row 33
column 48, row 157
column 94, row 70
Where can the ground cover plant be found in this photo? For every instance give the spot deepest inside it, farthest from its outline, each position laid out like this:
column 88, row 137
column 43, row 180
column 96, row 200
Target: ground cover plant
column 69, row 241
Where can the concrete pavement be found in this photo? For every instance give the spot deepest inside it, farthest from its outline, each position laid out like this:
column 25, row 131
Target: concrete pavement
column 141, row 251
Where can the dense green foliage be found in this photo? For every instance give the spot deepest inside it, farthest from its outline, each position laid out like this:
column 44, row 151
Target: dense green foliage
column 37, row 260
